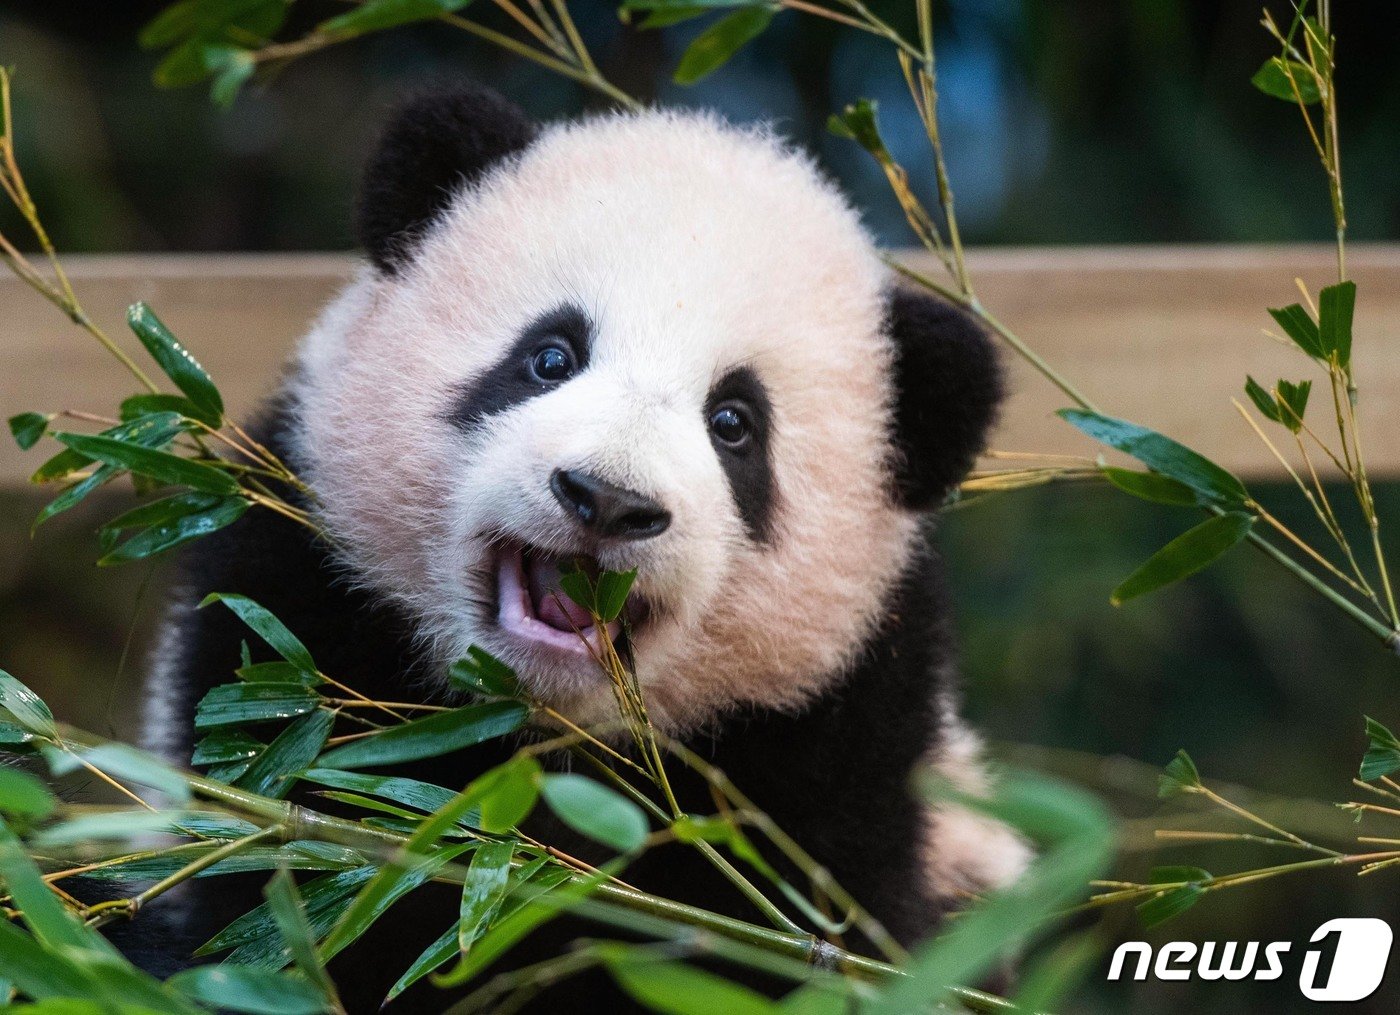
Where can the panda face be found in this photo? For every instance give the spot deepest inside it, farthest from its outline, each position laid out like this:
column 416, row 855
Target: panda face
column 646, row 341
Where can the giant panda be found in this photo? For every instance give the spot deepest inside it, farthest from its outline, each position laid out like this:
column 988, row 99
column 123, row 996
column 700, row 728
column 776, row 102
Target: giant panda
column 656, row 341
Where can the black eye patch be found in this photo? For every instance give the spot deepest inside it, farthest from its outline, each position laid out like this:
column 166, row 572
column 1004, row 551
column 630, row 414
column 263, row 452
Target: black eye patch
column 553, row 348
column 746, row 461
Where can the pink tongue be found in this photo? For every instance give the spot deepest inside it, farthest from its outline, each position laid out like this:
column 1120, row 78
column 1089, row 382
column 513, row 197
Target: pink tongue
column 551, row 604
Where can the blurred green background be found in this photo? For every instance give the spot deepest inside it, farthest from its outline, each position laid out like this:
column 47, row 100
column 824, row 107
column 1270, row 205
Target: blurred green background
column 1077, row 122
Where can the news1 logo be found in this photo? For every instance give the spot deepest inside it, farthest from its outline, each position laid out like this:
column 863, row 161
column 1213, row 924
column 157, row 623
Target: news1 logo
column 1344, row 960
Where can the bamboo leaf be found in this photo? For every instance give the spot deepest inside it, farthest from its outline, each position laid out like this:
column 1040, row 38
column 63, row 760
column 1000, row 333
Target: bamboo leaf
column 1336, row 306
column 1382, row 751
column 1279, row 77
column 39, row 971
column 482, row 673
column 255, row 991
column 613, row 587
column 674, row 988
column 1161, row 454
column 298, row 935
column 48, row 919
column 431, row 736
column 1185, row 555
column 254, row 934
column 421, row 796
column 27, row 708
column 28, row 428
column 1169, row 905
column 165, row 536
column 1263, row 401
column 24, row 796
column 125, row 763
column 376, row 15
column 154, row 430
column 158, row 465
column 177, row 362
column 594, row 810
column 142, row 405
column 267, row 627
column 1180, row 776
column 507, row 793
column 231, row 704
column 293, row 749
column 1299, row 326
column 1152, row 486
column 223, row 746
column 716, row 45
column 1293, row 402
column 483, row 891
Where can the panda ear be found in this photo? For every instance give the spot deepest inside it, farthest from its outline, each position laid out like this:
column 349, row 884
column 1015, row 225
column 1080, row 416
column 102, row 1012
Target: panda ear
column 948, row 385
column 434, row 143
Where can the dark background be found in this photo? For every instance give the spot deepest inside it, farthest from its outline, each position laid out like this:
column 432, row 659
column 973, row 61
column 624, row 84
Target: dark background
column 1085, row 122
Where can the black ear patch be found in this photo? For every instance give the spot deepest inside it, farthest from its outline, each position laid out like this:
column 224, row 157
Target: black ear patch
column 434, row 143
column 948, row 385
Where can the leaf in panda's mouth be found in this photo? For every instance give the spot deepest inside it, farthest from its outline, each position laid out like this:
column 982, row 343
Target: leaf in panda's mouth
column 533, row 605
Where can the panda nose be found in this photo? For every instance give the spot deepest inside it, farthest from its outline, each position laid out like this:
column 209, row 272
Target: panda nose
column 612, row 511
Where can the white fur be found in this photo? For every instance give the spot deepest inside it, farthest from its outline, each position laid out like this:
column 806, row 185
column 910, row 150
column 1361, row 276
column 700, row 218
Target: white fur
column 694, row 247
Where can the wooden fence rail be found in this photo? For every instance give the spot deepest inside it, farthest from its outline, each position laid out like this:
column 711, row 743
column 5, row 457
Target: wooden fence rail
column 1163, row 335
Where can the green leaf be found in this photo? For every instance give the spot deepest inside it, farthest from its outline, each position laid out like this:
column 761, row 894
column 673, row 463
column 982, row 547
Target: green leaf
column 1336, row 305
column 507, row 793
column 576, row 586
column 859, row 122
column 223, row 746
column 141, row 405
column 1262, row 400
column 231, row 704
column 594, row 810
column 39, row 971
column 674, row 988
column 1293, row 402
column 482, row 673
column 390, row 885
column 1170, row 904
column 613, row 587
column 268, row 627
column 431, row 736
column 106, row 826
column 164, row 536
column 298, row 935
column 1299, row 326
column 125, row 763
column 74, row 495
column 1185, row 555
column 154, row 430
column 27, row 708
column 1279, row 77
column 1382, row 753
column 1152, row 486
column 716, row 45
column 48, row 919
column 256, row 991
column 1180, row 776
column 27, row 428
column 293, row 749
column 1161, row 454
column 423, row 796
column 665, row 17
column 158, row 465
column 23, row 795
column 174, row 358
column 435, row 956
column 231, row 67
column 483, row 891
column 254, row 934
column 375, row 15
column 277, row 671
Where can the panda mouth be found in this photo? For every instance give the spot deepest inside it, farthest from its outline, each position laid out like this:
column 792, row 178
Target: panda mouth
column 533, row 606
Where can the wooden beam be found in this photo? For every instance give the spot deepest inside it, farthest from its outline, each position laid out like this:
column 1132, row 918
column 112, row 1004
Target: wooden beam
column 1162, row 335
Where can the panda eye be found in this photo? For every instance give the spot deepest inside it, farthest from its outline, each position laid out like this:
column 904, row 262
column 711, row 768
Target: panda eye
column 730, row 425
column 552, row 364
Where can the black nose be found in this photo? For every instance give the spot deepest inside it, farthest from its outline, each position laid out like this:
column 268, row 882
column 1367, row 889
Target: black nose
column 608, row 509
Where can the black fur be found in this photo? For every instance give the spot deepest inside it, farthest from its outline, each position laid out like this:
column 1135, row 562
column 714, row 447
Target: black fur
column 434, row 144
column 749, row 469
column 511, row 381
column 835, row 777
column 949, row 384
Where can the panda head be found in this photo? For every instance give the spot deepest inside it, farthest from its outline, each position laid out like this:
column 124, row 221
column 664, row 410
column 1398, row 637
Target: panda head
column 645, row 340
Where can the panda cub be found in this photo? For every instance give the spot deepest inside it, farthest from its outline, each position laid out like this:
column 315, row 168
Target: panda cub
column 658, row 342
